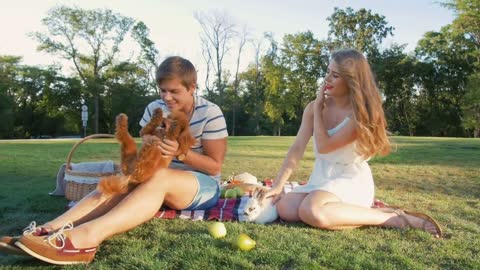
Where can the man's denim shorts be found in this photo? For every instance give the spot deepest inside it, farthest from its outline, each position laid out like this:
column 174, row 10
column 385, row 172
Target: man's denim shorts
column 208, row 192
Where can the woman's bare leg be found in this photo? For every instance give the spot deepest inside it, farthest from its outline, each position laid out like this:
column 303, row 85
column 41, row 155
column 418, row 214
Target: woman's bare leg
column 288, row 205
column 324, row 210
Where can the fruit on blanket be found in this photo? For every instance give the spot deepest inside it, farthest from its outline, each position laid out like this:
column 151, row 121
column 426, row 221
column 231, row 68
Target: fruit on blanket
column 239, row 191
column 231, row 194
column 245, row 243
column 217, row 230
column 246, row 188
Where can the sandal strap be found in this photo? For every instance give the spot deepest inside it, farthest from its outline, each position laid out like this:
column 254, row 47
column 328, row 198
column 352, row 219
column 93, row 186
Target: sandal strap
column 427, row 219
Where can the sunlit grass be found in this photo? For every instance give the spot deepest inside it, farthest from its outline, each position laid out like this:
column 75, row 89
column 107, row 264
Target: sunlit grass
column 439, row 176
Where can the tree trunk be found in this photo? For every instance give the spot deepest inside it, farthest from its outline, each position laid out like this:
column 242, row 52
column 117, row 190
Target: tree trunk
column 233, row 120
column 97, row 112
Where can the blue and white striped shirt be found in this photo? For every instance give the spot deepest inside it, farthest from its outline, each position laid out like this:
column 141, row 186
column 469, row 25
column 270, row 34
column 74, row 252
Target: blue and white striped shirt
column 207, row 123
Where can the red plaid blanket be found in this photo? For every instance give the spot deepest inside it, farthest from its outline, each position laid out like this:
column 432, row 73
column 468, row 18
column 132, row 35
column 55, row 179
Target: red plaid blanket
column 226, row 209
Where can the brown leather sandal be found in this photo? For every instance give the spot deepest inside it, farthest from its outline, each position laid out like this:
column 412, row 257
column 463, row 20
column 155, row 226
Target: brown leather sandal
column 426, row 219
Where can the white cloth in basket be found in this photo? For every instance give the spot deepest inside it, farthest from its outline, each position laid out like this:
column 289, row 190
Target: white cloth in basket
column 93, row 167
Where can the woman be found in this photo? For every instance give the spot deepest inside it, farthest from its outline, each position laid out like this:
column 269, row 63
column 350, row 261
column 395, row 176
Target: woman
column 348, row 127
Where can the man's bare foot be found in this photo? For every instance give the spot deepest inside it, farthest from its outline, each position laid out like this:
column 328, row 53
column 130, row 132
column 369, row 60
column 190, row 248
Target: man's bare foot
column 37, row 230
column 82, row 238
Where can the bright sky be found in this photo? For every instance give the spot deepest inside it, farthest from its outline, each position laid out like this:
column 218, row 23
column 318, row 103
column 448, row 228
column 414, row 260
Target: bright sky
column 176, row 32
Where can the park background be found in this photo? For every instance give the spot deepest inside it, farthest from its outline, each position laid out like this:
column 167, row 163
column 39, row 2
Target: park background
column 425, row 55
column 262, row 80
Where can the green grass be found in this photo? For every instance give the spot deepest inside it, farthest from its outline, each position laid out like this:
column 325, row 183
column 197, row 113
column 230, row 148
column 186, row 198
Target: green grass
column 439, row 176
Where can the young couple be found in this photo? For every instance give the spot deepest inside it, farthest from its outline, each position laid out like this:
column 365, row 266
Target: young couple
column 346, row 122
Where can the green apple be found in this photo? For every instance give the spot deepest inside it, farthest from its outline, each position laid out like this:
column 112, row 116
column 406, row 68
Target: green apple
column 239, row 191
column 245, row 243
column 230, row 194
column 217, row 230
column 222, row 193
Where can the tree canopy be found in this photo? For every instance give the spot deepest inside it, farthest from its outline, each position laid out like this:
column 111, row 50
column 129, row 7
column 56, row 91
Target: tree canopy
column 431, row 91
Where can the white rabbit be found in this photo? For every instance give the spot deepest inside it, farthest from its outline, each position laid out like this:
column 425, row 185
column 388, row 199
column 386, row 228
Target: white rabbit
column 260, row 213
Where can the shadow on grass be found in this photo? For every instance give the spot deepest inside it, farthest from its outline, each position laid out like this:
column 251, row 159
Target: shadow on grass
column 23, row 261
column 437, row 185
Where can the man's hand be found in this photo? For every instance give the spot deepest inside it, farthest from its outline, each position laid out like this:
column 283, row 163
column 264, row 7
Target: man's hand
column 150, row 140
column 168, row 148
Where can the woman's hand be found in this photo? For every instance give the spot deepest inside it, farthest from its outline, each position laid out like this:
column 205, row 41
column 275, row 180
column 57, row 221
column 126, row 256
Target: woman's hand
column 274, row 192
column 320, row 100
column 168, row 148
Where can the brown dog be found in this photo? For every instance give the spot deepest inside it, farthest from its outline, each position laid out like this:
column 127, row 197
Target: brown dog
column 138, row 168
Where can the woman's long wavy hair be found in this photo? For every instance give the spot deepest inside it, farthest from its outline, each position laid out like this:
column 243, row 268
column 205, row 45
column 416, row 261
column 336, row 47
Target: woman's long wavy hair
column 366, row 102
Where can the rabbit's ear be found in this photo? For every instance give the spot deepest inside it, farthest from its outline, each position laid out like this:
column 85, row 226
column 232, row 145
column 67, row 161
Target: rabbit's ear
column 257, row 192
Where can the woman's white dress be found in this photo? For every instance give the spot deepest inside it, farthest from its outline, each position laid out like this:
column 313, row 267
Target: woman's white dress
column 342, row 172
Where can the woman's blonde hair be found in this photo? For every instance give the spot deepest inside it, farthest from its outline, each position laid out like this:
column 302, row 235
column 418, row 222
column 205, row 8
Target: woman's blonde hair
column 366, row 102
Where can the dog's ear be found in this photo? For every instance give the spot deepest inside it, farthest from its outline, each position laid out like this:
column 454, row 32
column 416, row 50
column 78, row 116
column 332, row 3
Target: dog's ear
column 180, row 130
column 185, row 139
column 155, row 121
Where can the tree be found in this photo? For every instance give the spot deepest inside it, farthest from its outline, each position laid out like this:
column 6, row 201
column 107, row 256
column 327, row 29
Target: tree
column 362, row 30
column 149, row 55
column 446, row 64
column 37, row 101
column 126, row 93
column 26, row 92
column 304, row 62
column 29, row 93
column 252, row 116
column 395, row 74
column 218, row 32
column 291, row 71
column 467, row 21
column 61, row 102
column 243, row 37
column 256, row 87
column 275, row 100
column 8, row 73
column 471, row 105
column 90, row 39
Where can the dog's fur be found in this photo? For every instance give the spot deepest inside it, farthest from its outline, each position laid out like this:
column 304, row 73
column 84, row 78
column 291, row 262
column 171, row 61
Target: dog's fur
column 138, row 168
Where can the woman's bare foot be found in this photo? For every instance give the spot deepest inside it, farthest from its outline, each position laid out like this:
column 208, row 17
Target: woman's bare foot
column 405, row 219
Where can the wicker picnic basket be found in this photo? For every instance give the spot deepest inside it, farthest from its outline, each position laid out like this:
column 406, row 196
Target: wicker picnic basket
column 81, row 182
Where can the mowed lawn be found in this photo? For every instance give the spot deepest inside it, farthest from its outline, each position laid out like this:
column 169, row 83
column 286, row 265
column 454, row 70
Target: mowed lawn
column 438, row 176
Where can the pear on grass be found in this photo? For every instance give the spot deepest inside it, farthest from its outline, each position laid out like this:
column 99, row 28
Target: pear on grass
column 217, row 230
column 244, row 242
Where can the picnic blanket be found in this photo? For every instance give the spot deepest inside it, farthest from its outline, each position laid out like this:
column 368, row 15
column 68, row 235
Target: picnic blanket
column 227, row 209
